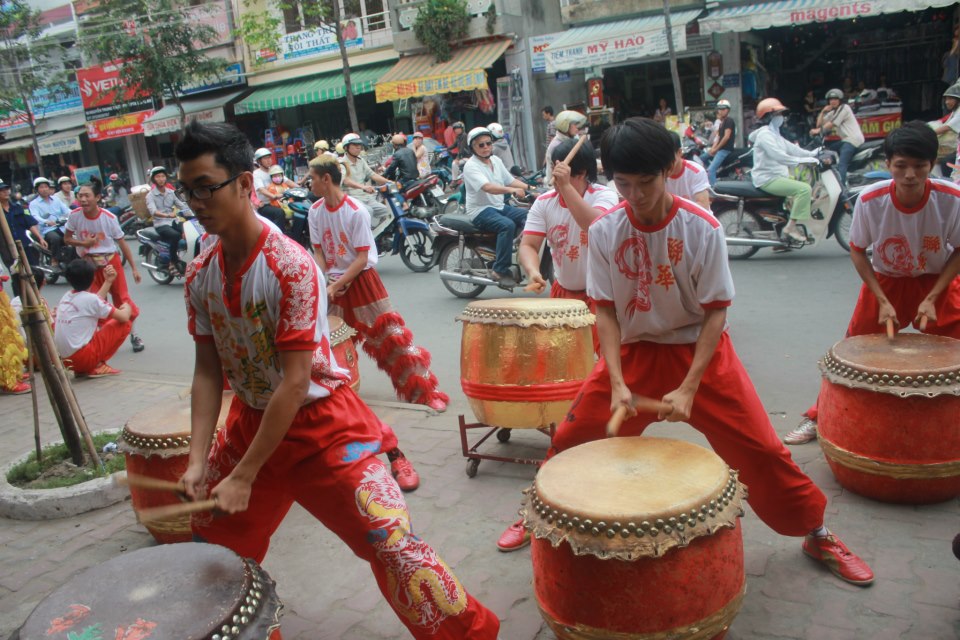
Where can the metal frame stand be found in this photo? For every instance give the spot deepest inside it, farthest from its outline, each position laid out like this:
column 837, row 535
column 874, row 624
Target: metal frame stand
column 473, row 456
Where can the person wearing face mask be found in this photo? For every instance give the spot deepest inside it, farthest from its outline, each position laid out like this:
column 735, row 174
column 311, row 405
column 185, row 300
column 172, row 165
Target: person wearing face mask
column 772, row 158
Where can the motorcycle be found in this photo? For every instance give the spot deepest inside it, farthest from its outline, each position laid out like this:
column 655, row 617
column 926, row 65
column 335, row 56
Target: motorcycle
column 52, row 272
column 752, row 219
column 425, row 197
column 153, row 252
column 867, row 159
column 299, row 200
column 402, row 234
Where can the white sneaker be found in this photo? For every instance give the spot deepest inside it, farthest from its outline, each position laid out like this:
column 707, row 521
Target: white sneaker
column 805, row 432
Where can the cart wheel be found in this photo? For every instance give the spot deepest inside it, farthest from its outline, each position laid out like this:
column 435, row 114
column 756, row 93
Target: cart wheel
column 503, row 435
column 472, row 465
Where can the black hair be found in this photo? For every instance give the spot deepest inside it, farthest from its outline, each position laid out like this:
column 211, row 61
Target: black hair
column 79, row 274
column 584, row 162
column 547, row 110
column 325, row 165
column 677, row 144
column 95, row 185
column 225, row 141
column 637, row 146
column 914, row 139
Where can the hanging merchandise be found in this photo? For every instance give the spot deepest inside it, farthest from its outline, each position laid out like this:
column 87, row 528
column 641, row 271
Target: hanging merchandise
column 485, row 102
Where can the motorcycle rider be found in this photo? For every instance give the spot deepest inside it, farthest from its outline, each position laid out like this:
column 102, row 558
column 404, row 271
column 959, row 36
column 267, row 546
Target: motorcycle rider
column 403, row 168
column 837, row 118
column 487, row 181
column 118, row 198
column 501, row 148
column 772, row 155
column 356, row 175
column 322, row 147
column 65, row 192
column 568, row 124
column 49, row 211
column 723, row 145
column 261, row 180
column 164, row 206
column 20, row 223
column 948, row 127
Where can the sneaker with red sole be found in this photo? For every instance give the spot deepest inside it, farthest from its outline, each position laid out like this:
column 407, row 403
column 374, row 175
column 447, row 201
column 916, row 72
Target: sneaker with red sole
column 403, row 472
column 515, row 537
column 102, row 370
column 437, row 405
column 845, row 564
column 18, row 389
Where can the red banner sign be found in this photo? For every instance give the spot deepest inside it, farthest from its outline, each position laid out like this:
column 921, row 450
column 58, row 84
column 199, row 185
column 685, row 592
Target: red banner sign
column 126, row 125
column 103, row 94
column 880, row 126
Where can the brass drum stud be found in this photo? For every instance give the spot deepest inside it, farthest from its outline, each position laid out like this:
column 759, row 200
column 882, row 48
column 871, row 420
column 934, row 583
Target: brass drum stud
column 654, row 532
column 625, row 533
column 616, row 525
column 225, row 628
column 595, row 531
column 645, row 525
column 667, row 529
column 244, row 619
column 234, row 630
column 613, row 532
column 660, row 523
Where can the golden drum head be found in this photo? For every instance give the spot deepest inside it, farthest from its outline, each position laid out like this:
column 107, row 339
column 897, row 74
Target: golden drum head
column 632, row 497
column 340, row 331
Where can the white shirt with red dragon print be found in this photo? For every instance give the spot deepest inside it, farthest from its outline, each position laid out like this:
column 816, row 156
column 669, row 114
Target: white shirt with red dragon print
column 341, row 232
column 907, row 241
column 549, row 217
column 661, row 278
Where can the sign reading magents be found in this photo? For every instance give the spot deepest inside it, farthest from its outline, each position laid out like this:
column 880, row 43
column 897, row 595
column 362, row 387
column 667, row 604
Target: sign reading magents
column 839, row 11
column 315, row 43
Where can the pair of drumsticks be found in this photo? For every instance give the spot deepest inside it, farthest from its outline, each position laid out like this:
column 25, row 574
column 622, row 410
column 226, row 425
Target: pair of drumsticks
column 640, row 403
column 166, row 512
column 891, row 330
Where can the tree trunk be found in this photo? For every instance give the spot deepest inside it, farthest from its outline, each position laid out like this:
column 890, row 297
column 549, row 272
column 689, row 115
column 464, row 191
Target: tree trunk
column 674, row 74
column 183, row 114
column 18, row 82
column 347, row 82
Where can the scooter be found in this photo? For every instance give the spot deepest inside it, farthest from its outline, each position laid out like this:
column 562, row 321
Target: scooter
column 752, row 219
column 51, row 271
column 402, row 234
column 300, row 199
column 154, row 252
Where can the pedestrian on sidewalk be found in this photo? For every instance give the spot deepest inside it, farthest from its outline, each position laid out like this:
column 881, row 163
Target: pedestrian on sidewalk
column 295, row 430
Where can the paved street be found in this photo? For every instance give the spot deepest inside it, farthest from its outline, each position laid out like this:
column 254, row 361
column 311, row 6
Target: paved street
column 788, row 311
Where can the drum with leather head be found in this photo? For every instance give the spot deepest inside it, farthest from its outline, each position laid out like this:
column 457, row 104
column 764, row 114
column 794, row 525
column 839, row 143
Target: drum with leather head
column 186, row 591
column 523, row 361
column 636, row 538
column 156, row 443
column 889, row 416
column 344, row 349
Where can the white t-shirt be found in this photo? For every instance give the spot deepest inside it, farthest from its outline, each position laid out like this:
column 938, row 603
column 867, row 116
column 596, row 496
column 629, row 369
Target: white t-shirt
column 77, row 316
column 660, row 279
column 477, row 173
column 277, row 303
column 550, row 218
column 341, row 233
column 907, row 242
column 261, row 179
column 689, row 181
column 105, row 228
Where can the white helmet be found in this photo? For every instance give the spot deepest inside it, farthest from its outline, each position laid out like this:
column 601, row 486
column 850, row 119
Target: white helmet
column 351, row 138
column 475, row 133
column 566, row 118
column 275, row 170
column 496, row 130
column 723, row 104
column 262, row 152
column 40, row 181
column 321, row 145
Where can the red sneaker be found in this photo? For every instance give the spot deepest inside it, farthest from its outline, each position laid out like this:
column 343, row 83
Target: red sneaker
column 407, row 478
column 102, row 370
column 845, row 564
column 515, row 537
column 18, row 389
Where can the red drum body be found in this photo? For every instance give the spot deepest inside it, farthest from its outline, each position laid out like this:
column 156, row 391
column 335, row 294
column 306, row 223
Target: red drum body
column 183, row 591
column 637, row 538
column 156, row 443
column 344, row 349
column 889, row 416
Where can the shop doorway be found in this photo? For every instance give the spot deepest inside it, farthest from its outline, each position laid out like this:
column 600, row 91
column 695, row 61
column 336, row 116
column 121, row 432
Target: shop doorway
column 635, row 90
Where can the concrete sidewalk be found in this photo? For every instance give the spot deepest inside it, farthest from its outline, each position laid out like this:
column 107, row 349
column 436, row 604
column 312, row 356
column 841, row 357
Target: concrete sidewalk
column 329, row 594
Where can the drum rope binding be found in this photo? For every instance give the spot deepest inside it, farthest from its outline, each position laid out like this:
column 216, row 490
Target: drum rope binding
column 898, row 470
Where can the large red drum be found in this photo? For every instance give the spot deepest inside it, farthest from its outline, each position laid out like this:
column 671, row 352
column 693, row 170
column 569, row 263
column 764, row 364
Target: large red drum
column 889, row 416
column 344, row 349
column 156, row 443
column 637, row 538
column 177, row 591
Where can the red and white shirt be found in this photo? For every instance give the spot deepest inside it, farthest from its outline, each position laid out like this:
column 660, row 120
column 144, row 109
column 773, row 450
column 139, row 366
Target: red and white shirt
column 550, row 218
column 661, row 278
column 78, row 314
column 689, row 181
column 907, row 241
column 104, row 227
column 341, row 232
column 276, row 303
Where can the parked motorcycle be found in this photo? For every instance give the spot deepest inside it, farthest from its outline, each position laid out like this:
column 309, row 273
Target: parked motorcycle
column 752, row 219
column 154, row 252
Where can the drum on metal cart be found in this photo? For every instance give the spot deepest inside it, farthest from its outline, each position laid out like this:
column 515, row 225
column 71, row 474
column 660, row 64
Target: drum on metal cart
column 636, row 537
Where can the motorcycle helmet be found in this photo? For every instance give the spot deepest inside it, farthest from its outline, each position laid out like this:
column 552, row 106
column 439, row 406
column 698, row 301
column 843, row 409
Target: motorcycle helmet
column 566, row 118
column 399, row 140
column 351, row 138
column 477, row 132
column 457, row 125
column 953, row 92
column 321, row 145
column 64, row 179
column 768, row 106
column 275, row 169
column 156, row 170
column 496, row 130
column 114, row 177
column 835, row 93
column 417, row 134
column 339, row 149
column 40, row 181
column 723, row 104
column 260, row 153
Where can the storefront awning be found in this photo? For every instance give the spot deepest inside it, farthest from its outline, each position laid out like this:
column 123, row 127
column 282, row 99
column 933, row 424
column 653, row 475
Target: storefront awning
column 610, row 42
column 167, row 120
column 17, row 143
column 786, row 13
column 61, row 142
column 317, row 89
column 423, row 76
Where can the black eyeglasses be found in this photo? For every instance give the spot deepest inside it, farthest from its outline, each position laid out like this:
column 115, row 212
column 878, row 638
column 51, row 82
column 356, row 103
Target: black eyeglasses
column 484, row 144
column 203, row 193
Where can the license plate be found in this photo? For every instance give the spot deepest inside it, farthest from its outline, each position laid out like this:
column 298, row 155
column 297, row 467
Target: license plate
column 437, row 191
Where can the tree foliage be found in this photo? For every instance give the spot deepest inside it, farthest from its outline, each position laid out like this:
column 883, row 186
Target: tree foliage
column 440, row 23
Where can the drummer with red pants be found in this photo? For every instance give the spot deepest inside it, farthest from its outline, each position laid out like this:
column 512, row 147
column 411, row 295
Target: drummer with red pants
column 658, row 272
column 913, row 224
column 562, row 217
column 295, row 430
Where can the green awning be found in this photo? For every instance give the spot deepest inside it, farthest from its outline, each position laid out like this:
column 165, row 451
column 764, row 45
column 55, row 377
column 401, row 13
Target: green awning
column 328, row 86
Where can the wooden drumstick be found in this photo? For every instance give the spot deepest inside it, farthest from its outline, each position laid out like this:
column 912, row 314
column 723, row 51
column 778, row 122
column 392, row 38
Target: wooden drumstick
column 146, row 482
column 580, row 140
column 167, row 512
column 891, row 331
column 923, row 322
column 613, row 426
column 641, row 404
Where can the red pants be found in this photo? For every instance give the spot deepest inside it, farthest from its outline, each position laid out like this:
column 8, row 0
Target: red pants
column 905, row 294
column 118, row 290
column 103, row 345
column 726, row 410
column 326, row 463
column 557, row 291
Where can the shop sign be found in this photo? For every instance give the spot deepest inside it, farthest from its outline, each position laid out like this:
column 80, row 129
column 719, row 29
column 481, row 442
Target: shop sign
column 845, row 10
column 58, row 101
column 880, row 126
column 13, row 120
column 314, row 43
column 731, row 80
column 450, row 83
column 232, row 75
column 172, row 124
column 99, row 89
column 59, row 145
column 618, row 49
column 213, row 15
column 85, row 174
column 129, row 124
column 538, row 50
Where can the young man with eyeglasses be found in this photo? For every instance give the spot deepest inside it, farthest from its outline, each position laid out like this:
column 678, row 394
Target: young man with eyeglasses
column 487, row 180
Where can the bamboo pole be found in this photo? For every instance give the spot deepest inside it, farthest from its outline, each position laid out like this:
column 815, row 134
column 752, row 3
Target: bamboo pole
column 31, row 361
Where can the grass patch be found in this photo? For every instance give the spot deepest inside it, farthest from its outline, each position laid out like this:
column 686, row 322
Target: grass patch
column 56, row 470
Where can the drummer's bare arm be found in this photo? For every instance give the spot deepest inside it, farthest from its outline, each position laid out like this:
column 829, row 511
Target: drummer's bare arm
column 233, row 493
column 359, row 264
column 206, row 395
column 681, row 398
column 950, row 270
column 530, row 261
column 865, row 270
column 608, row 330
column 583, row 214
